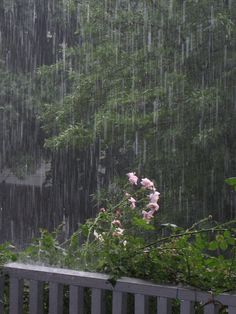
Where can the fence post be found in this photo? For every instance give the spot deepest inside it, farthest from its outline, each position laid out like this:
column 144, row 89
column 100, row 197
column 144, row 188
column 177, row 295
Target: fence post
column 186, row 307
column 16, row 295
column 141, row 304
column 119, row 302
column 211, row 308
column 55, row 298
column 231, row 310
column 36, row 297
column 76, row 300
column 163, row 305
column 97, row 305
column 1, row 294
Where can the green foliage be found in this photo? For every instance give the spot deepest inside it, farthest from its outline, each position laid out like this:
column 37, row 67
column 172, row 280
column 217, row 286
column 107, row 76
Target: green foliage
column 120, row 242
column 151, row 81
column 149, row 96
column 7, row 253
column 45, row 249
column 231, row 182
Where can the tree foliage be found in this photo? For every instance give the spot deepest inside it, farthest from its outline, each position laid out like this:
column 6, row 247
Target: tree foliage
column 146, row 85
column 153, row 83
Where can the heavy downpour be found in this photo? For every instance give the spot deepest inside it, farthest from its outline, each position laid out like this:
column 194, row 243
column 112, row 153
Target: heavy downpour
column 117, row 156
column 91, row 90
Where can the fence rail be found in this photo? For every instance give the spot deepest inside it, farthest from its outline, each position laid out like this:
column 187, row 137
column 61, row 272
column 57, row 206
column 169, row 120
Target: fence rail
column 82, row 286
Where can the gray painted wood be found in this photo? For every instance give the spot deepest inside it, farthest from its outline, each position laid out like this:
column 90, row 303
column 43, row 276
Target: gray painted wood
column 119, row 303
column 97, row 302
column 60, row 275
column 36, row 297
column 100, row 282
column 16, row 295
column 163, row 306
column 186, row 307
column 231, row 310
column 1, row 294
column 76, row 300
column 210, row 309
column 55, row 298
column 140, row 304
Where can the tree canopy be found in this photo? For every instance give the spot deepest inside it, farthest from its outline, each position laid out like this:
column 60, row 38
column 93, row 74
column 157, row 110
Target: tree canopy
column 147, row 86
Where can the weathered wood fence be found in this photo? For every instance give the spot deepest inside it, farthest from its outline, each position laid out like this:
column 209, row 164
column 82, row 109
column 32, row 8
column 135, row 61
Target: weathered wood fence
column 34, row 279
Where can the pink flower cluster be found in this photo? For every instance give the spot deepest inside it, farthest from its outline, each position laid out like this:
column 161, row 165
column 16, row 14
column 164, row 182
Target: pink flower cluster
column 132, row 202
column 153, row 197
column 133, row 179
column 118, row 229
column 147, row 184
column 152, row 206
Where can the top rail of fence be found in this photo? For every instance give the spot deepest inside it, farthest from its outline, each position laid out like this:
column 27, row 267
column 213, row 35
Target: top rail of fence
column 124, row 284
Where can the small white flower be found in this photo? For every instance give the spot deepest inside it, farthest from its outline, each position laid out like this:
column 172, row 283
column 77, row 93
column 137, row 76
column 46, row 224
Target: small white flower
column 169, row 225
column 98, row 236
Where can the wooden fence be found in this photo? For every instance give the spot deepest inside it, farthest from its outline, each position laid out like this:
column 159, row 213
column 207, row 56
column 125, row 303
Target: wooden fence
column 83, row 286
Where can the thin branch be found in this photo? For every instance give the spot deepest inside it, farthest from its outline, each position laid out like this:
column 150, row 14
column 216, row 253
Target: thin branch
column 184, row 234
column 209, row 218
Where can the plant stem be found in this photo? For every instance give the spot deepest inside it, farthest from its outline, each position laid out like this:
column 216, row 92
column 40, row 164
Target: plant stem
column 199, row 223
column 188, row 233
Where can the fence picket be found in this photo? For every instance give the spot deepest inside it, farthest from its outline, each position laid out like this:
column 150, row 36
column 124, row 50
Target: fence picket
column 119, row 303
column 186, row 307
column 231, row 310
column 163, row 305
column 16, row 295
column 36, row 297
column 1, row 294
column 210, row 309
column 141, row 304
column 55, row 298
column 97, row 305
column 76, row 300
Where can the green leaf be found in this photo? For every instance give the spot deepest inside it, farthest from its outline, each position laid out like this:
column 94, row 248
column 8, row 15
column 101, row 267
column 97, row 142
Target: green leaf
column 227, row 234
column 231, row 182
column 223, row 245
column 213, row 245
column 231, row 241
column 219, row 238
column 142, row 224
column 200, row 243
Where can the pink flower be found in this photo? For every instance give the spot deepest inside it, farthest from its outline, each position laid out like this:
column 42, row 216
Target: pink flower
column 102, row 210
column 154, row 197
column 132, row 201
column 116, row 223
column 153, row 206
column 147, row 184
column 118, row 232
column 133, row 179
column 147, row 215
